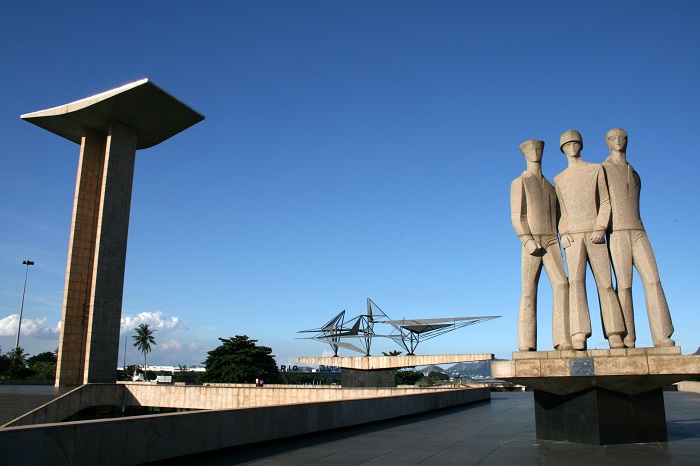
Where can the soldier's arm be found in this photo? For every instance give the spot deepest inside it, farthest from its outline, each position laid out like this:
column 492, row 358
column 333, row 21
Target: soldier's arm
column 518, row 214
column 604, row 209
column 562, row 219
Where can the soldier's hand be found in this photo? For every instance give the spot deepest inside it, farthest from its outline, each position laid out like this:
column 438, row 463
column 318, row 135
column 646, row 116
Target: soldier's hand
column 566, row 241
column 598, row 236
column 532, row 247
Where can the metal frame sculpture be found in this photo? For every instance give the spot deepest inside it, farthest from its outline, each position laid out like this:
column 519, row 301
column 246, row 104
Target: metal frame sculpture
column 407, row 333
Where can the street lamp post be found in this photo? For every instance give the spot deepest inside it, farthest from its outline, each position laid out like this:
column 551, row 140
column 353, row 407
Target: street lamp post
column 21, row 308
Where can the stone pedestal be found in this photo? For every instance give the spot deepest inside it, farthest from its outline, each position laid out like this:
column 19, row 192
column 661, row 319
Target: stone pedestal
column 353, row 378
column 601, row 417
column 599, row 396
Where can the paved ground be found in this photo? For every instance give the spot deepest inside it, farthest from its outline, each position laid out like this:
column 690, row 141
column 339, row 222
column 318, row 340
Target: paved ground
column 501, row 432
column 16, row 400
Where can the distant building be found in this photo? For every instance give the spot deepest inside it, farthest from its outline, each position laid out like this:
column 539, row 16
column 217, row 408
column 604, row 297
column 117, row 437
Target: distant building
column 171, row 369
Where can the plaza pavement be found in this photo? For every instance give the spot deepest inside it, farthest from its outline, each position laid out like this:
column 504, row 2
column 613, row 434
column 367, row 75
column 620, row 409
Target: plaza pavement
column 499, row 432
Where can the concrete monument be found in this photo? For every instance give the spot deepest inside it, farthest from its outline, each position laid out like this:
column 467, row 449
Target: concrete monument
column 629, row 245
column 602, row 396
column 585, row 216
column 109, row 127
column 534, row 213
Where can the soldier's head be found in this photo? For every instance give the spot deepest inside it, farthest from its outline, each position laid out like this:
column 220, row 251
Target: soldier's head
column 571, row 143
column 616, row 139
column 532, row 150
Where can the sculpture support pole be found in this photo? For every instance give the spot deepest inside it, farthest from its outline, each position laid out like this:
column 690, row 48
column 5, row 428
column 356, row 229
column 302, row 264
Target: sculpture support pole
column 89, row 342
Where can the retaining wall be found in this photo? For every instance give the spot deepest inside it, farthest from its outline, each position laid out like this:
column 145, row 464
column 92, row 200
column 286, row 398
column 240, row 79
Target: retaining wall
column 139, row 439
column 214, row 396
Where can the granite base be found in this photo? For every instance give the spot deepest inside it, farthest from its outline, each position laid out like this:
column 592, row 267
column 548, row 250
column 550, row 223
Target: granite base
column 601, row 417
column 352, row 378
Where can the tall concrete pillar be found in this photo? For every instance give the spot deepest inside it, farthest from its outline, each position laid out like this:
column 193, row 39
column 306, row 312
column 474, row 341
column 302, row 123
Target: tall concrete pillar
column 109, row 127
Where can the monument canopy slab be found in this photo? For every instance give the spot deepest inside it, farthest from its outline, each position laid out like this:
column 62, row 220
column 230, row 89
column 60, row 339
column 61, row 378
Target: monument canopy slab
column 154, row 114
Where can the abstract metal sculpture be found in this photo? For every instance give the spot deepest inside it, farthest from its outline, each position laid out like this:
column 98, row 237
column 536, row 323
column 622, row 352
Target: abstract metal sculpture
column 407, row 333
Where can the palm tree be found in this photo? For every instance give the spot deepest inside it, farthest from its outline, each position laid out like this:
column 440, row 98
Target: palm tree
column 143, row 341
column 17, row 360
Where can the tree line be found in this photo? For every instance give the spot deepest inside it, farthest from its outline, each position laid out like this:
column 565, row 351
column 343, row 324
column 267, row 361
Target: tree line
column 238, row 359
column 18, row 365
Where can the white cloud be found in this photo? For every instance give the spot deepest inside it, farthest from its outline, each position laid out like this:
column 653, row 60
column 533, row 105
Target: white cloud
column 36, row 327
column 8, row 325
column 157, row 320
column 171, row 345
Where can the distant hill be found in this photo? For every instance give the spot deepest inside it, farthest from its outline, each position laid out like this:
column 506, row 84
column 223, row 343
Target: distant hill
column 471, row 369
column 698, row 351
column 478, row 369
column 432, row 368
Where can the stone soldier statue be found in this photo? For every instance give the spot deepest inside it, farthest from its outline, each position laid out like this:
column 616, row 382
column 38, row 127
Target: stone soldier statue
column 629, row 245
column 585, row 214
column 534, row 213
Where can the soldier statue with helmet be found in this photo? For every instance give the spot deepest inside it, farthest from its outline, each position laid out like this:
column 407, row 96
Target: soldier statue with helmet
column 585, row 215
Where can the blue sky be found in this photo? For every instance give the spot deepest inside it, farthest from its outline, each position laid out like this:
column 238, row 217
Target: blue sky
column 350, row 150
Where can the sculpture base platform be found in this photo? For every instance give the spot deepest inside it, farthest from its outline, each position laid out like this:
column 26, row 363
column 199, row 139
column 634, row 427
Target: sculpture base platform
column 353, row 378
column 380, row 371
column 601, row 417
column 599, row 396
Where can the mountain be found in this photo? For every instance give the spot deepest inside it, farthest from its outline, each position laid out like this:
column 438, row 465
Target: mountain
column 471, row 369
column 698, row 351
column 432, row 368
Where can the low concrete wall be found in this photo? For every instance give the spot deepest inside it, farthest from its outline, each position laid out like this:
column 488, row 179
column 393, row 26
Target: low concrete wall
column 214, row 396
column 139, row 439
column 221, row 396
column 688, row 386
column 72, row 402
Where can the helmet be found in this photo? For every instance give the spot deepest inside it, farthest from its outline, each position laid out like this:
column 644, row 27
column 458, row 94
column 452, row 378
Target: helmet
column 569, row 136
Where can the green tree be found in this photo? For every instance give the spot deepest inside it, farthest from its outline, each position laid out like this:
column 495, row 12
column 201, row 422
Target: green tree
column 46, row 357
column 143, row 341
column 435, row 376
column 43, row 370
column 18, row 364
column 240, row 360
column 4, row 365
column 408, row 377
column 185, row 374
column 127, row 373
column 392, row 353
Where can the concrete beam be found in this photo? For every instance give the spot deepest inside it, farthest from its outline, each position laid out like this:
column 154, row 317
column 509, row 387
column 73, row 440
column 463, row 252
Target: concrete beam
column 393, row 362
